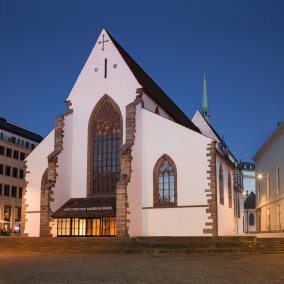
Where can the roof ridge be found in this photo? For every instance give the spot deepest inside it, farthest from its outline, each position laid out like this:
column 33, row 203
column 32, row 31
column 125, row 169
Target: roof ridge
column 153, row 89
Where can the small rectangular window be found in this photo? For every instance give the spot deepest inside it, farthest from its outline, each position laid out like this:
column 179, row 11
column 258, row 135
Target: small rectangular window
column 14, row 191
column 27, row 144
column 8, row 171
column 1, row 188
column 1, row 169
column 16, row 154
column 20, row 192
column 21, row 174
column 7, row 190
column 2, row 150
column 22, row 156
column 15, row 172
column 32, row 146
column 9, row 152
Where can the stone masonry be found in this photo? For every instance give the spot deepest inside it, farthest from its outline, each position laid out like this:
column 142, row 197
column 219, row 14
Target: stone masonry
column 211, row 192
column 125, row 175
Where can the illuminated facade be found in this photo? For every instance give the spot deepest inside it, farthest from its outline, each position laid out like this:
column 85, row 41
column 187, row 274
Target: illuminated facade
column 16, row 143
column 269, row 166
column 124, row 160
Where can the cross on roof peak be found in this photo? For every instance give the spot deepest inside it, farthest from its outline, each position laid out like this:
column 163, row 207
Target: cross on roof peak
column 103, row 42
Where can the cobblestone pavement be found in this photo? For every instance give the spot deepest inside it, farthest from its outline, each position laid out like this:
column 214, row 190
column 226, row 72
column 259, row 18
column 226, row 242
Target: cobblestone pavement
column 92, row 268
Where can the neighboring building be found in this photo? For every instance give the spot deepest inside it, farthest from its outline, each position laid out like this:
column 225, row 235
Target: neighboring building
column 16, row 143
column 248, row 170
column 249, row 213
column 230, row 200
column 269, row 165
column 124, row 160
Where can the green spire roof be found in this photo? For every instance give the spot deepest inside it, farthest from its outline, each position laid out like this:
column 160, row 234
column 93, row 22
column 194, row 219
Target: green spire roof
column 205, row 108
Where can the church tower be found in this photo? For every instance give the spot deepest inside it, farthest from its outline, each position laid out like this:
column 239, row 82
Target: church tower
column 205, row 108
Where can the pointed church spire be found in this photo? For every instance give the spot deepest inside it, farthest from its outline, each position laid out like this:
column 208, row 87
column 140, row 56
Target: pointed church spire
column 205, row 108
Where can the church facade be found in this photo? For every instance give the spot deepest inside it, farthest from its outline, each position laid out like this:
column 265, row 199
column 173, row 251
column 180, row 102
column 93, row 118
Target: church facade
column 123, row 160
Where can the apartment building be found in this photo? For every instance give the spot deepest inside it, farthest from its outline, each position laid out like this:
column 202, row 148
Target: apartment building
column 16, row 142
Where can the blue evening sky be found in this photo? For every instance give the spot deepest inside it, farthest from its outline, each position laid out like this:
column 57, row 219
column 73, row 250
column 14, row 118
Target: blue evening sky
column 240, row 44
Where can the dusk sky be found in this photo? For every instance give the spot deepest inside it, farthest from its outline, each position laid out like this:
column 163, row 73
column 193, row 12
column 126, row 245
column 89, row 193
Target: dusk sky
column 240, row 45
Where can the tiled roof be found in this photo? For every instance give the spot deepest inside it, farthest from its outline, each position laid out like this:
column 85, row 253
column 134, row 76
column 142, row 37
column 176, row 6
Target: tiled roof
column 18, row 130
column 154, row 91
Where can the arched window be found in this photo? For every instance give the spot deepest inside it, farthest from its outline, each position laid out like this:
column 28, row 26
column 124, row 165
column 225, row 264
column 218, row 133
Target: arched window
column 251, row 219
column 165, row 182
column 105, row 139
column 230, row 194
column 221, row 184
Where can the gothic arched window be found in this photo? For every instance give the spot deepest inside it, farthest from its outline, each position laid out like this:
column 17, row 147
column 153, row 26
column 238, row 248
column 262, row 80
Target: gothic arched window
column 251, row 219
column 221, row 184
column 230, row 193
column 165, row 182
column 105, row 137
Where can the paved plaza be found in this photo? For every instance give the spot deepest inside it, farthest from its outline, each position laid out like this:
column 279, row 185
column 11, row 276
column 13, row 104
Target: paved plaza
column 92, row 268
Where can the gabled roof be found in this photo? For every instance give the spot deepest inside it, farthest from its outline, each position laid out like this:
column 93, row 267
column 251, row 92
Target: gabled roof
column 154, row 91
column 269, row 140
column 18, row 130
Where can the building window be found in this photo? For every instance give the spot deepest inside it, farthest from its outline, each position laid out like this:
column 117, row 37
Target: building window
column 1, row 188
column 1, row 169
column 2, row 150
column 8, row 171
column 268, row 219
column 21, row 174
column 16, row 154
column 9, row 152
column 165, row 182
column 230, row 193
column 258, row 191
column 14, row 191
column 105, row 138
column 32, row 146
column 27, row 144
column 221, row 184
column 15, row 172
column 268, row 186
column 22, row 156
column 278, row 216
column 251, row 219
column 277, row 179
column 7, row 190
column 20, row 192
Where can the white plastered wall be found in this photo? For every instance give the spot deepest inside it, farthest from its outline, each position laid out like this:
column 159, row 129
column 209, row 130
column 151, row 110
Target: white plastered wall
column 188, row 150
column 225, row 213
column 36, row 165
column 89, row 88
column 62, row 188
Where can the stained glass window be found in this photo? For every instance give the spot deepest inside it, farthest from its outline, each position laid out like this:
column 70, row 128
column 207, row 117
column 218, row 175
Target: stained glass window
column 165, row 191
column 106, row 149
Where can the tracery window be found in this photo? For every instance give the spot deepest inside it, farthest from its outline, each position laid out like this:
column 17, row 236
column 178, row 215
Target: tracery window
column 221, row 184
column 230, row 193
column 106, row 138
column 165, row 182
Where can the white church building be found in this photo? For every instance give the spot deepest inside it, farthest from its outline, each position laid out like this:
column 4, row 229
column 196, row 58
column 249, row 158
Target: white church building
column 124, row 160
